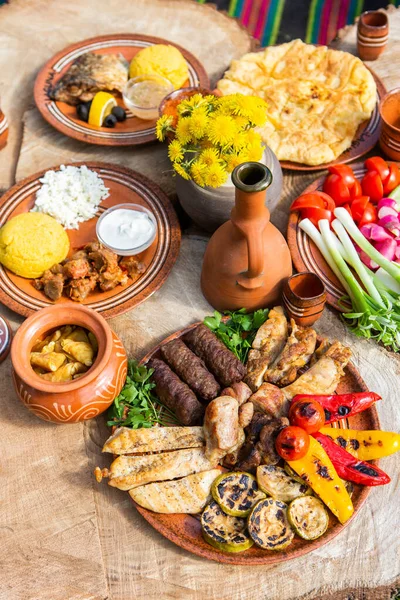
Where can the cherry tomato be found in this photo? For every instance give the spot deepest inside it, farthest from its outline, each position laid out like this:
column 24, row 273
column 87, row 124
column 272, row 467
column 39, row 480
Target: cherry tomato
column 372, row 186
column 316, row 214
column 345, row 172
column 358, row 206
column 356, row 190
column 335, row 186
column 307, row 414
column 313, row 200
column 369, row 215
column 378, row 164
column 292, row 443
column 393, row 179
column 347, row 207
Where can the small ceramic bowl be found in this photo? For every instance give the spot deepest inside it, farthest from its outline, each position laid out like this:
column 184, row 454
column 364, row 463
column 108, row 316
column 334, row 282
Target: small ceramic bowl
column 138, row 91
column 304, row 298
column 372, row 34
column 82, row 398
column 389, row 109
column 126, row 251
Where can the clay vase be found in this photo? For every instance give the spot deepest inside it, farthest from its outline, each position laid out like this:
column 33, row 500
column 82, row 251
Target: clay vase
column 247, row 259
column 82, row 398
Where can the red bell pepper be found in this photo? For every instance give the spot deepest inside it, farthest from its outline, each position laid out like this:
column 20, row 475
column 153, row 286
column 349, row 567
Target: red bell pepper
column 340, row 406
column 350, row 468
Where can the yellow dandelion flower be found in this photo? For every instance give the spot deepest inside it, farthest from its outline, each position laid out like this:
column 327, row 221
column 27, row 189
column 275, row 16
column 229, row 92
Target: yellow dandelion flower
column 241, row 122
column 187, row 106
column 180, row 170
column 234, row 160
column 183, row 130
column 240, row 140
column 254, row 152
column 175, row 151
column 253, row 137
column 198, row 171
column 215, row 175
column 222, row 130
column 209, row 157
column 198, row 123
column 164, row 124
column 258, row 116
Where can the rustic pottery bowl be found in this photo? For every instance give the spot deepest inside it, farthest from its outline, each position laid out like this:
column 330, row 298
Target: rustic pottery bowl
column 304, row 298
column 372, row 34
column 72, row 401
column 389, row 109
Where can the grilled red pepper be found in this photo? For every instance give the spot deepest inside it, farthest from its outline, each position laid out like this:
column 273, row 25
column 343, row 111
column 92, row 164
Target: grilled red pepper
column 350, row 468
column 340, row 406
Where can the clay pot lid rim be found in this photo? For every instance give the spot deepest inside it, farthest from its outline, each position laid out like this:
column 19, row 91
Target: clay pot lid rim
column 23, row 367
column 311, row 275
column 389, row 96
column 369, row 12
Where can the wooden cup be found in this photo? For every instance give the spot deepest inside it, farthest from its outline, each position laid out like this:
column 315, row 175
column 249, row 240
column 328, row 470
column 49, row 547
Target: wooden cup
column 389, row 109
column 304, row 298
column 372, row 34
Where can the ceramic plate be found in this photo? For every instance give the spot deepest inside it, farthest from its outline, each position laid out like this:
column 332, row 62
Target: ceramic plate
column 305, row 254
column 63, row 117
column 3, row 130
column 185, row 530
column 125, row 186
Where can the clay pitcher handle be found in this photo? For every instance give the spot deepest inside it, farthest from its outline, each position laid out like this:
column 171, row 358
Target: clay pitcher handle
column 250, row 215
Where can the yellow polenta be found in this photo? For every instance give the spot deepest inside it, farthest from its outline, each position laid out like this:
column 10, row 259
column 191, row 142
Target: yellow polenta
column 163, row 60
column 30, row 243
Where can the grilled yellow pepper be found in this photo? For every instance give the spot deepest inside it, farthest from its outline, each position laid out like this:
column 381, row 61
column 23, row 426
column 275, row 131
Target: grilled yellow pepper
column 365, row 445
column 316, row 469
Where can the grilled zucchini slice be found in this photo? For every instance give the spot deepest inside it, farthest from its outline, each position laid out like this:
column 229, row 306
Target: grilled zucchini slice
column 275, row 482
column 236, row 493
column 268, row 525
column 223, row 531
column 308, row 517
column 292, row 473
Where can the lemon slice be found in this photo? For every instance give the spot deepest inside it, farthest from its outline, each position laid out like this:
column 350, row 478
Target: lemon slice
column 101, row 107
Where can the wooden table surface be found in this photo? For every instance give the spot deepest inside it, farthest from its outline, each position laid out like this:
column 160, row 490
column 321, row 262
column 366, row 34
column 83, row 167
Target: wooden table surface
column 62, row 536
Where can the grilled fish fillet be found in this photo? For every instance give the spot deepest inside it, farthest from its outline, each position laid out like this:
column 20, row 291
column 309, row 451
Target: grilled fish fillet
column 188, row 495
column 90, row 74
column 267, row 345
column 155, row 439
column 127, row 472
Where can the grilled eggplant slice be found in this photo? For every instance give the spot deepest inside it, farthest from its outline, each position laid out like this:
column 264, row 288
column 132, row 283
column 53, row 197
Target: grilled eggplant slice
column 276, row 483
column 308, row 517
column 236, row 493
column 268, row 525
column 223, row 531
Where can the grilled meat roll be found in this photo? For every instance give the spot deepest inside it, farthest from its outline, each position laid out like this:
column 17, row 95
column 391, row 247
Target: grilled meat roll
column 219, row 360
column 175, row 394
column 191, row 369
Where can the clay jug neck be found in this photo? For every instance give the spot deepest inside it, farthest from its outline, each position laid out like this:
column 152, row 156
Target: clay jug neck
column 251, row 180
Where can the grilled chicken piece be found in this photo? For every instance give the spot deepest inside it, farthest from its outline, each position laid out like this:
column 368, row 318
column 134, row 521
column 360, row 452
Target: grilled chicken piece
column 79, row 289
column 249, row 457
column 296, row 354
column 108, row 280
column 128, row 472
column 221, row 427
column 76, row 268
column 132, row 266
column 188, row 495
column 267, row 345
column 231, row 458
column 89, row 74
column 266, row 444
column 246, row 412
column 239, row 390
column 323, row 377
column 270, row 400
column 156, row 439
column 257, row 423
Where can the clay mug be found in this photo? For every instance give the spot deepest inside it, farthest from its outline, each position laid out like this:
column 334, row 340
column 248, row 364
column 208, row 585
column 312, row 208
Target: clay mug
column 372, row 34
column 304, row 298
column 82, row 398
column 389, row 109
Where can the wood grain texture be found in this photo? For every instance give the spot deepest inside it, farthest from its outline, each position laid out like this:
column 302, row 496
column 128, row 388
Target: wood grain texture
column 64, row 537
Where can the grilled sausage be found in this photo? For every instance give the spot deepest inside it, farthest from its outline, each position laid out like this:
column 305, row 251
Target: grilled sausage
column 175, row 394
column 219, row 360
column 190, row 369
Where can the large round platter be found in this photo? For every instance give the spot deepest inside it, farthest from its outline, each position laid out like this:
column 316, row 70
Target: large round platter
column 185, row 530
column 125, row 186
column 307, row 257
column 63, row 117
column 366, row 137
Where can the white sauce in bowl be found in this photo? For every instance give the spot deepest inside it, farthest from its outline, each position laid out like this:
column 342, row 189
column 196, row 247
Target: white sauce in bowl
column 125, row 229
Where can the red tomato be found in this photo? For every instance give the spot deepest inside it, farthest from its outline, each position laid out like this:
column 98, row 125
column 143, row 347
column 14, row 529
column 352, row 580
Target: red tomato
column 316, row 214
column 369, row 215
column 347, row 207
column 307, row 414
column 378, row 164
column 372, row 186
column 292, row 443
column 335, row 187
column 393, row 179
column 358, row 207
column 356, row 190
column 313, row 200
column 345, row 172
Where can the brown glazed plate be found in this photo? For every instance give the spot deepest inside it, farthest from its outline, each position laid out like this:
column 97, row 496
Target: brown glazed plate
column 63, row 117
column 126, row 186
column 185, row 530
column 305, row 254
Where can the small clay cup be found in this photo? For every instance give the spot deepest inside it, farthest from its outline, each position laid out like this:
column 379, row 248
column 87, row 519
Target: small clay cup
column 82, row 398
column 389, row 109
column 372, row 34
column 304, row 298
column 3, row 130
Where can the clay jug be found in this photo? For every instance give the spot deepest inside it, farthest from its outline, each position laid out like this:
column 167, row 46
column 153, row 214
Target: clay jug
column 247, row 259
